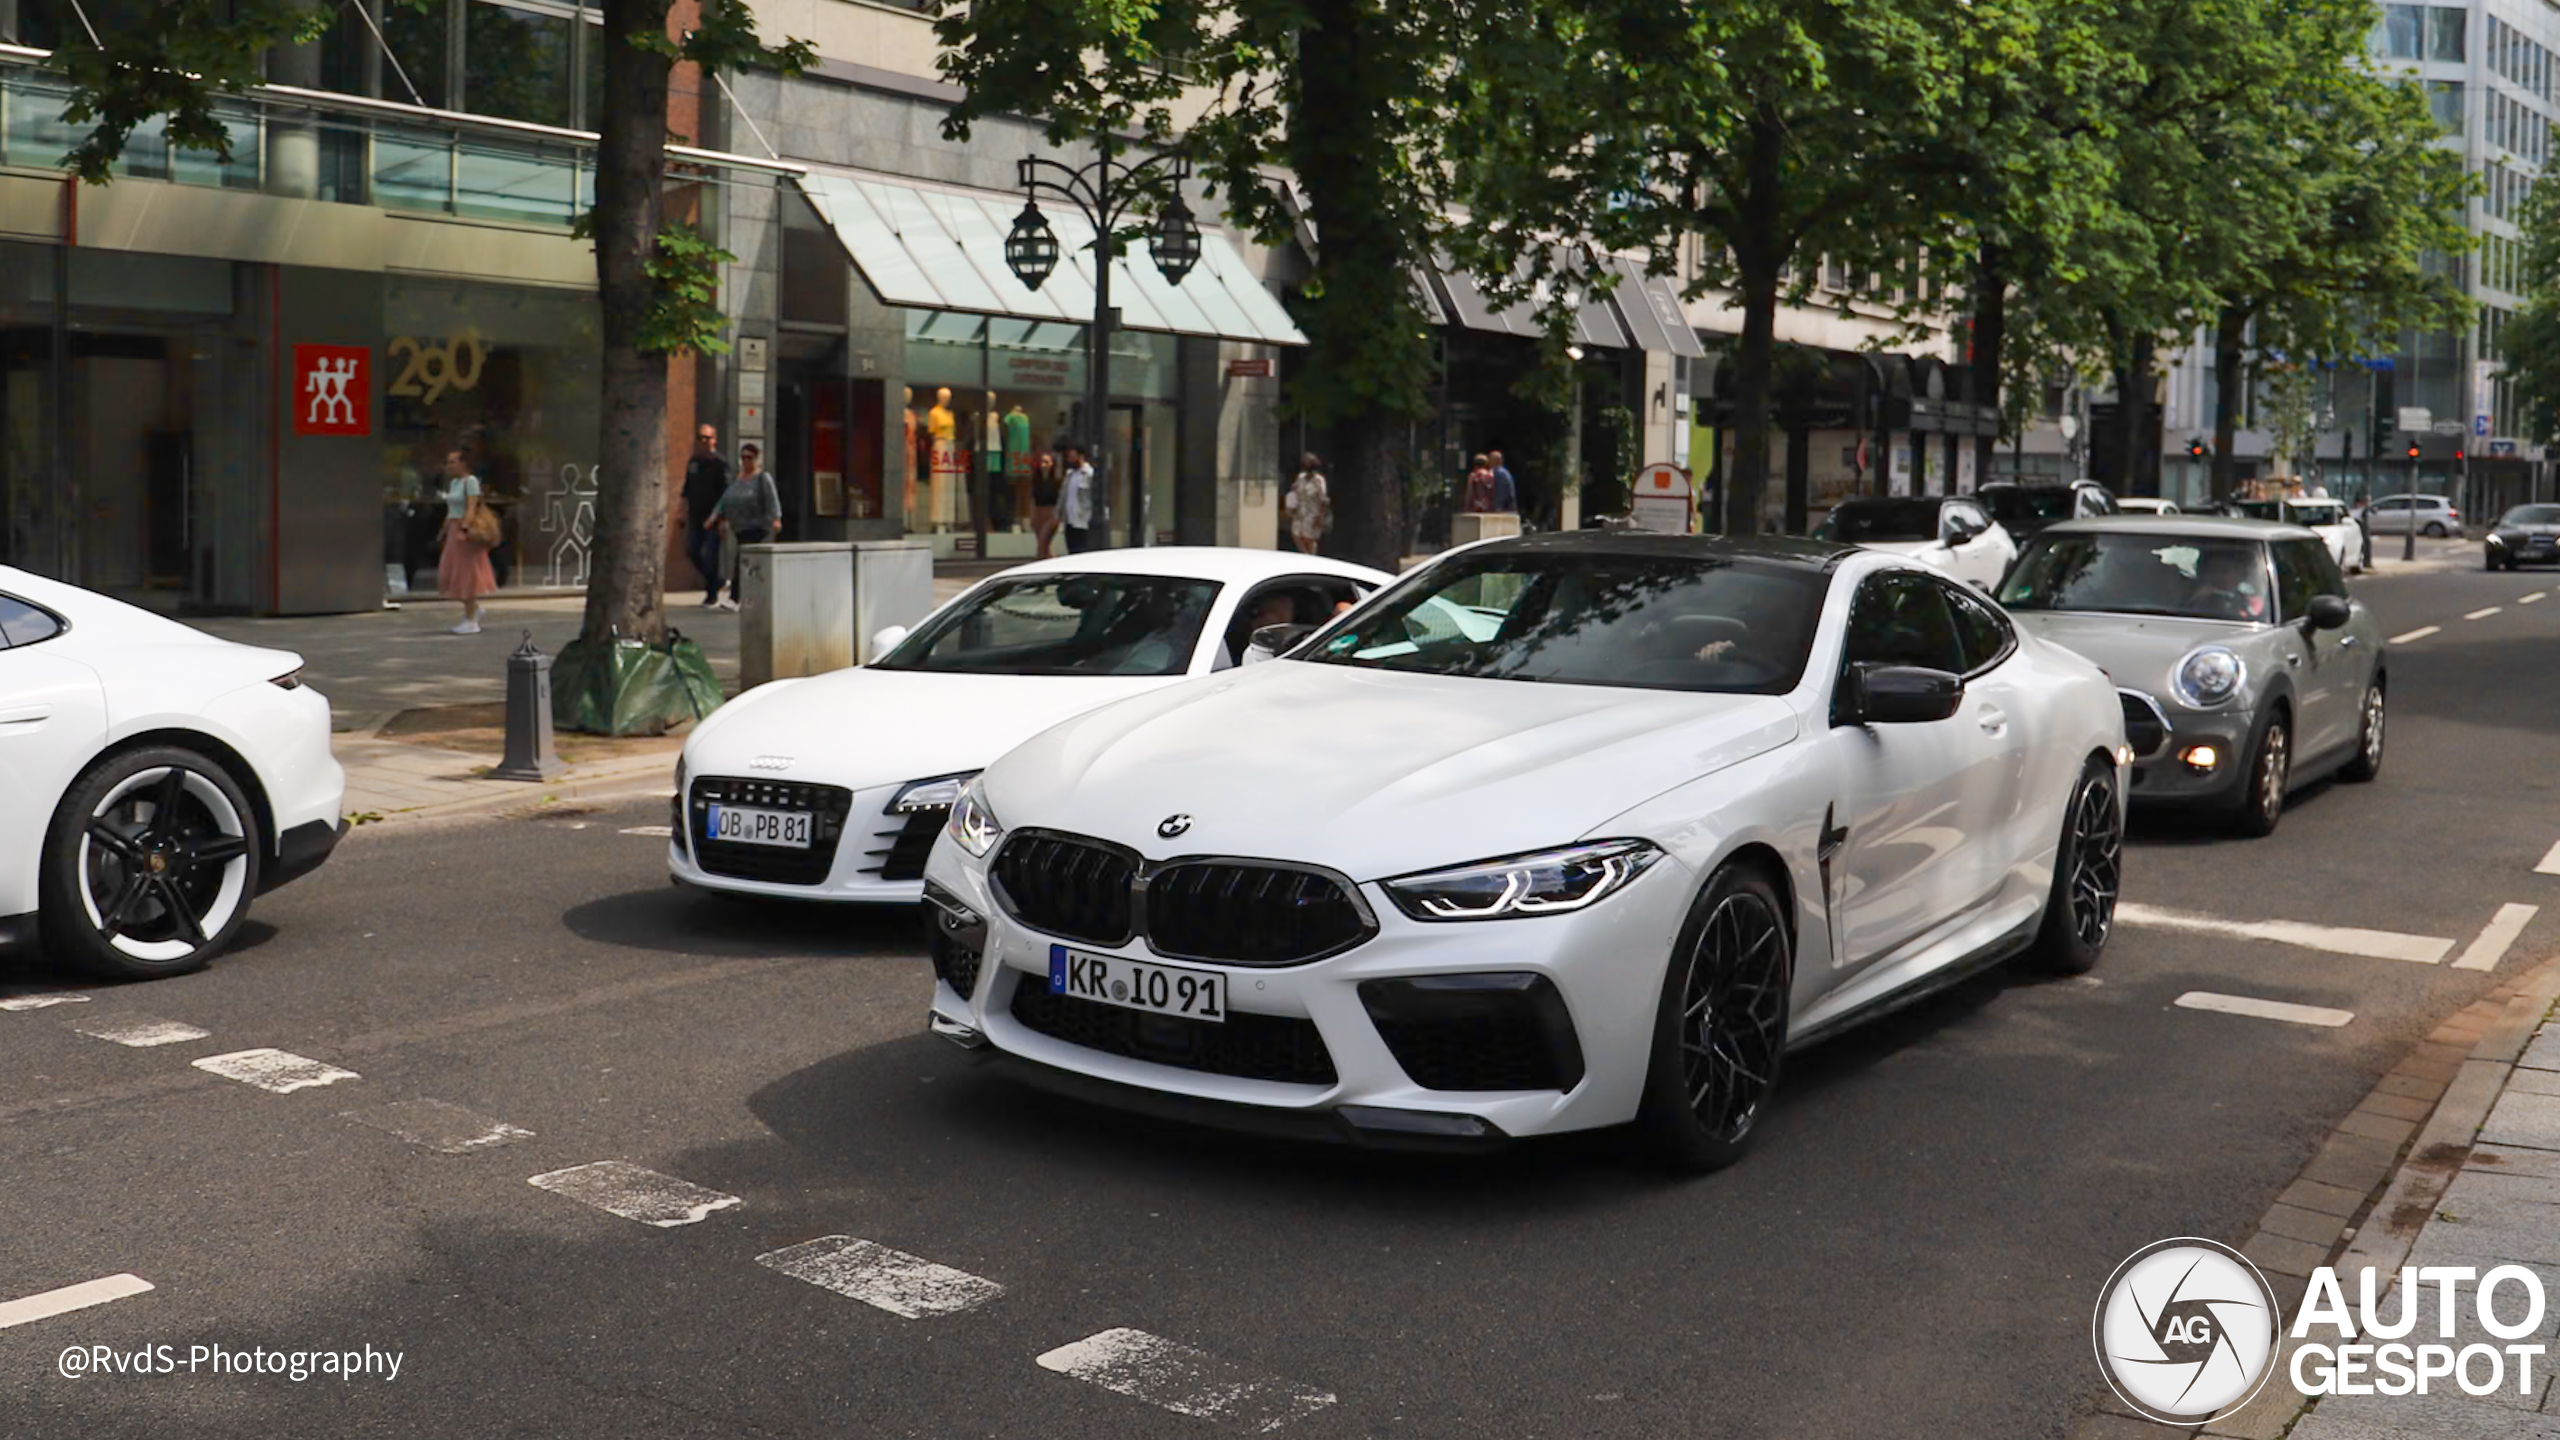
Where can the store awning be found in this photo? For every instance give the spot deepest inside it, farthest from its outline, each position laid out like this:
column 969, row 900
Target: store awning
column 1640, row 313
column 943, row 249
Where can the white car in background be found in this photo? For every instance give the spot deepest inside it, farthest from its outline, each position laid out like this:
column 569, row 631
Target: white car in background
column 2145, row 505
column 2325, row 517
column 1949, row 533
column 1689, row 805
column 833, row 787
column 153, row 781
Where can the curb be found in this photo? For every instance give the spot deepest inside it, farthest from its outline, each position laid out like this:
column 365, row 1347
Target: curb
column 575, row 784
column 2373, row 1184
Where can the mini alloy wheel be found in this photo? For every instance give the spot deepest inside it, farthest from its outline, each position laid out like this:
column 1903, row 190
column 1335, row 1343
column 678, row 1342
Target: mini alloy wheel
column 2368, row 761
column 2262, row 803
column 150, row 865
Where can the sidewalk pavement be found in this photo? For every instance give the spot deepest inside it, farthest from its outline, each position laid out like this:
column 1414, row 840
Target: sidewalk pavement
column 378, row 665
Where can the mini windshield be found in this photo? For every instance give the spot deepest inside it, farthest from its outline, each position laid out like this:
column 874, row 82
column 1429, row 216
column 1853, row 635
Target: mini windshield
column 1644, row 621
column 1078, row 624
column 1866, row 522
column 2131, row 573
column 2533, row 515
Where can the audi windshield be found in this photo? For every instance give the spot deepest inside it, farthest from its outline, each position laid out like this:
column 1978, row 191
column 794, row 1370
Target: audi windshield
column 1065, row 625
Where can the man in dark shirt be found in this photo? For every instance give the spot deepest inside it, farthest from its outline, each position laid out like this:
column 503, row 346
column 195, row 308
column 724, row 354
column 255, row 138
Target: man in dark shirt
column 705, row 476
column 1506, row 491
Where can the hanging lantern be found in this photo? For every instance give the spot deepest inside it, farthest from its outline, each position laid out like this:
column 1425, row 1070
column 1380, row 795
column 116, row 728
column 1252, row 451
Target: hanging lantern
column 1177, row 241
column 1031, row 251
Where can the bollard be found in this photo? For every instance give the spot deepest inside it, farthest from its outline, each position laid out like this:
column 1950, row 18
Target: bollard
column 529, row 752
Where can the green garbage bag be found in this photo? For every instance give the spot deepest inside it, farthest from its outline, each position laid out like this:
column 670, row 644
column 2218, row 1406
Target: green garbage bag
column 625, row 687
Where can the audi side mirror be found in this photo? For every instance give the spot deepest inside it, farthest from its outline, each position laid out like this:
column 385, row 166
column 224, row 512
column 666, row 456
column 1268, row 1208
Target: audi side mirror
column 1277, row 639
column 2328, row 612
column 1873, row 694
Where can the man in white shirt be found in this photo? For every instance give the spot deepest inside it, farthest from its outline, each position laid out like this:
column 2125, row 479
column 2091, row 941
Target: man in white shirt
column 1075, row 502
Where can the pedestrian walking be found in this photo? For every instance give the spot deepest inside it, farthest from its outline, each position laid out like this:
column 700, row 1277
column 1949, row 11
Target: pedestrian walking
column 1506, row 491
column 470, row 532
column 750, row 511
column 1480, row 486
column 1044, row 500
column 1075, row 501
column 1310, row 505
column 706, row 476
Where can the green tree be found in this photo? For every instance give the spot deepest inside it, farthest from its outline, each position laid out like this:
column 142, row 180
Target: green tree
column 2531, row 339
column 1344, row 95
column 176, row 58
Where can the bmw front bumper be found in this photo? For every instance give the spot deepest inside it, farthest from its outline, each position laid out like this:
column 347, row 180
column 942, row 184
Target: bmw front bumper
column 1406, row 1024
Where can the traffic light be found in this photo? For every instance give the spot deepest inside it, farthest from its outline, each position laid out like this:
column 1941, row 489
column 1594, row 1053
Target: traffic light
column 2382, row 428
column 2195, row 449
column 2457, row 454
column 2413, row 449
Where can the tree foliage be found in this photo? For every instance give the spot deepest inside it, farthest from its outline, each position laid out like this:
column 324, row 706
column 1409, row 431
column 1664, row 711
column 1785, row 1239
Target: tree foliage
column 2531, row 339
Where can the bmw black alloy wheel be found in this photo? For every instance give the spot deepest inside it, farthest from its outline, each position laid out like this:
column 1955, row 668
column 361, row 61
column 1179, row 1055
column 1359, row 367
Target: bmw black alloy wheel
column 2097, row 870
column 1733, row 1015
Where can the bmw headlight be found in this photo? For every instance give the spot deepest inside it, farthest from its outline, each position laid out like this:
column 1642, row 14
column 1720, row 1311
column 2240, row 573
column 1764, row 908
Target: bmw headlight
column 1549, row 882
column 2208, row 676
column 940, row 794
column 973, row 825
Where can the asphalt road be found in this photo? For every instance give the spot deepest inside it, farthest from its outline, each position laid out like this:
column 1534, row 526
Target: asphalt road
column 1914, row 1249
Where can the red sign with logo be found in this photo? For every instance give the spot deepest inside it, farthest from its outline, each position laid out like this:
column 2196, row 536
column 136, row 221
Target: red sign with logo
column 332, row 390
column 1249, row 369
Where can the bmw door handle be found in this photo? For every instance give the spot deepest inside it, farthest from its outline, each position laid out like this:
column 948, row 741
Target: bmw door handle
column 26, row 715
column 2346, row 642
column 2293, row 658
column 1993, row 720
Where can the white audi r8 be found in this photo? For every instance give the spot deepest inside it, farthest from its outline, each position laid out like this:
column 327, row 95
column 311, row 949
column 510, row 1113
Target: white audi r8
column 834, row 787
column 1683, row 806
column 153, row 780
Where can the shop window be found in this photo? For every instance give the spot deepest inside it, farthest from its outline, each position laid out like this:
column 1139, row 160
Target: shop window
column 516, row 62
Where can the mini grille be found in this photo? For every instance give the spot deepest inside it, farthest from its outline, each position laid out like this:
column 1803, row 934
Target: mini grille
column 781, row 865
column 1283, row 1048
column 2144, row 727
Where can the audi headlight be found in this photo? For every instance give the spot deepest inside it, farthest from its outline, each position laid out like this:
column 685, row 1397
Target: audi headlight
column 973, row 825
column 1549, row 882
column 939, row 794
column 2208, row 676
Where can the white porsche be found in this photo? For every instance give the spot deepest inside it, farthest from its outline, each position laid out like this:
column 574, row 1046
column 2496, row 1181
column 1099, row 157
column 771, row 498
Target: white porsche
column 833, row 787
column 1682, row 806
column 153, row 780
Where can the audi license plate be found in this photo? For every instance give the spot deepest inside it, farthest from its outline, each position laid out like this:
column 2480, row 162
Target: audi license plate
column 1136, row 985
column 740, row 825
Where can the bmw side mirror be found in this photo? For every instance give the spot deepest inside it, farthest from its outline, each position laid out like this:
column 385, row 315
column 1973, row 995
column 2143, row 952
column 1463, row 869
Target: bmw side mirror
column 1278, row 638
column 2328, row 612
column 887, row 639
column 1873, row 694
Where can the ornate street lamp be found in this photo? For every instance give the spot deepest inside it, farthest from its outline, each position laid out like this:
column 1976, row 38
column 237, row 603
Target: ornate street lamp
column 1104, row 191
column 1031, row 251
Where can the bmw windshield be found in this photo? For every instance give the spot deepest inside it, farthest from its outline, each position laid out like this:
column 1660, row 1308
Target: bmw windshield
column 1641, row 621
column 1868, row 522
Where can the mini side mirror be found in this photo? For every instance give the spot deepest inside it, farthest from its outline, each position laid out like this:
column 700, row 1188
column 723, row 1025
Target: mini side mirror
column 1276, row 639
column 1872, row 694
column 887, row 639
column 2328, row 612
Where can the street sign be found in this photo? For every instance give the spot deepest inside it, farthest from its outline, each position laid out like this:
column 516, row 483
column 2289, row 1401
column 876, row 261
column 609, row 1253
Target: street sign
column 2502, row 447
column 2446, row 427
column 1662, row 500
column 2415, row 419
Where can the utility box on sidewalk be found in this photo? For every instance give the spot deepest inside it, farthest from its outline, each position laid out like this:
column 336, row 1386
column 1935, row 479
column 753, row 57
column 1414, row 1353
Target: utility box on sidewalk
column 892, row 585
column 1468, row 526
column 796, row 610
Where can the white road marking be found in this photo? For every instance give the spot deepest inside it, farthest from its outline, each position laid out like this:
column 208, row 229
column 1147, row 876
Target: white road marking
column 1183, row 1380
column 662, row 832
column 2529, row 599
column 435, row 1125
column 2264, row 1009
column 2340, row 940
column 38, row 1002
column 634, row 1193
column 140, row 1031
column 905, row 1285
column 278, row 1070
column 2484, row 613
column 70, row 1298
column 2501, row 932
column 2421, row 633
column 2550, row 862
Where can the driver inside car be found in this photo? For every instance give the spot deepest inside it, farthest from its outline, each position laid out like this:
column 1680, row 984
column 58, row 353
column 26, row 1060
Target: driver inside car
column 2226, row 586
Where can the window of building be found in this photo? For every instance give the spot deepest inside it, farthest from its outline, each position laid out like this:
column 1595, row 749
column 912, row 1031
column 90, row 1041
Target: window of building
column 2445, row 32
column 2444, row 98
column 2401, row 35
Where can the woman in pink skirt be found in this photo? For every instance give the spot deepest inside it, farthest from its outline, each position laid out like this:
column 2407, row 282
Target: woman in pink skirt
column 462, row 569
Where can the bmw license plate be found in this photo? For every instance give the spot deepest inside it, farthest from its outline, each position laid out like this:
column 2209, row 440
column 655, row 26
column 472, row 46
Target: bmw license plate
column 1137, row 985
column 740, row 825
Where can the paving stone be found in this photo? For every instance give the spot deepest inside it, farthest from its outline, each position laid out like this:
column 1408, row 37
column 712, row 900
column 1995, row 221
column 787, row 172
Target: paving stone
column 2523, row 1119
column 2276, row 1252
column 2353, row 1171
column 2533, row 1082
column 2271, row 1411
column 2335, row 1200
column 2437, row 1415
column 2438, row 1070
column 2378, row 1127
column 2122, row 1427
column 2309, row 1226
column 2398, row 1107
column 2544, row 1052
column 2494, row 1186
column 2494, row 1160
column 2411, row 1086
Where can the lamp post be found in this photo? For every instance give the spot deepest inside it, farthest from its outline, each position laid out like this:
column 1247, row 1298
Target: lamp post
column 1104, row 191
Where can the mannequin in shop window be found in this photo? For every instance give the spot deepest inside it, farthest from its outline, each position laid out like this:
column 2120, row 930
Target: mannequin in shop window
column 907, row 412
column 944, row 428
column 1017, row 459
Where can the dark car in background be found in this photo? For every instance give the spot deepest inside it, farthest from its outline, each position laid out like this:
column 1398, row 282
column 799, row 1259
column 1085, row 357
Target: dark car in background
column 2525, row 535
column 2025, row 510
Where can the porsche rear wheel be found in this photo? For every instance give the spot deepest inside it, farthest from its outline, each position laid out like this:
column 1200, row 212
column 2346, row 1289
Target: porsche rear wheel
column 149, row 866
column 1720, row 1030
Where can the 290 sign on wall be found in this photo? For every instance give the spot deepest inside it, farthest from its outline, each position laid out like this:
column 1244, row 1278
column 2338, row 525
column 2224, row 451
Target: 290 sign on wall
column 428, row 368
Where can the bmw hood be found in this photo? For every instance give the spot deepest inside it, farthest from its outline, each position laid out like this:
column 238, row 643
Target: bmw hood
column 1372, row 773
column 864, row 727
column 2136, row 651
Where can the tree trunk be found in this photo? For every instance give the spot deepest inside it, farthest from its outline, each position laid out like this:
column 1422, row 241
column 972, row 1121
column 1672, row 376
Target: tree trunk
column 2229, row 330
column 1760, row 259
column 1990, row 335
column 627, row 569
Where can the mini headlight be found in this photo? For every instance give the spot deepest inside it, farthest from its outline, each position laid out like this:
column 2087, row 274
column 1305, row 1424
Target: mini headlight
column 973, row 825
column 939, row 794
column 2207, row 677
column 1549, row 882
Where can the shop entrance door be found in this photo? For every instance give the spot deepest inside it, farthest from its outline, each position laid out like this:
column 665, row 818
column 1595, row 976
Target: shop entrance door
column 1125, row 443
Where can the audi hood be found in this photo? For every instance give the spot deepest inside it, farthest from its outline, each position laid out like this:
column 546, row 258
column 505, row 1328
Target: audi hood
column 864, row 727
column 1373, row 773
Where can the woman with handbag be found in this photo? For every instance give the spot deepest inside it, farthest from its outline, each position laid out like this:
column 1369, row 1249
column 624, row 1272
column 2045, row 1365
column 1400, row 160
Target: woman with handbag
column 470, row 533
